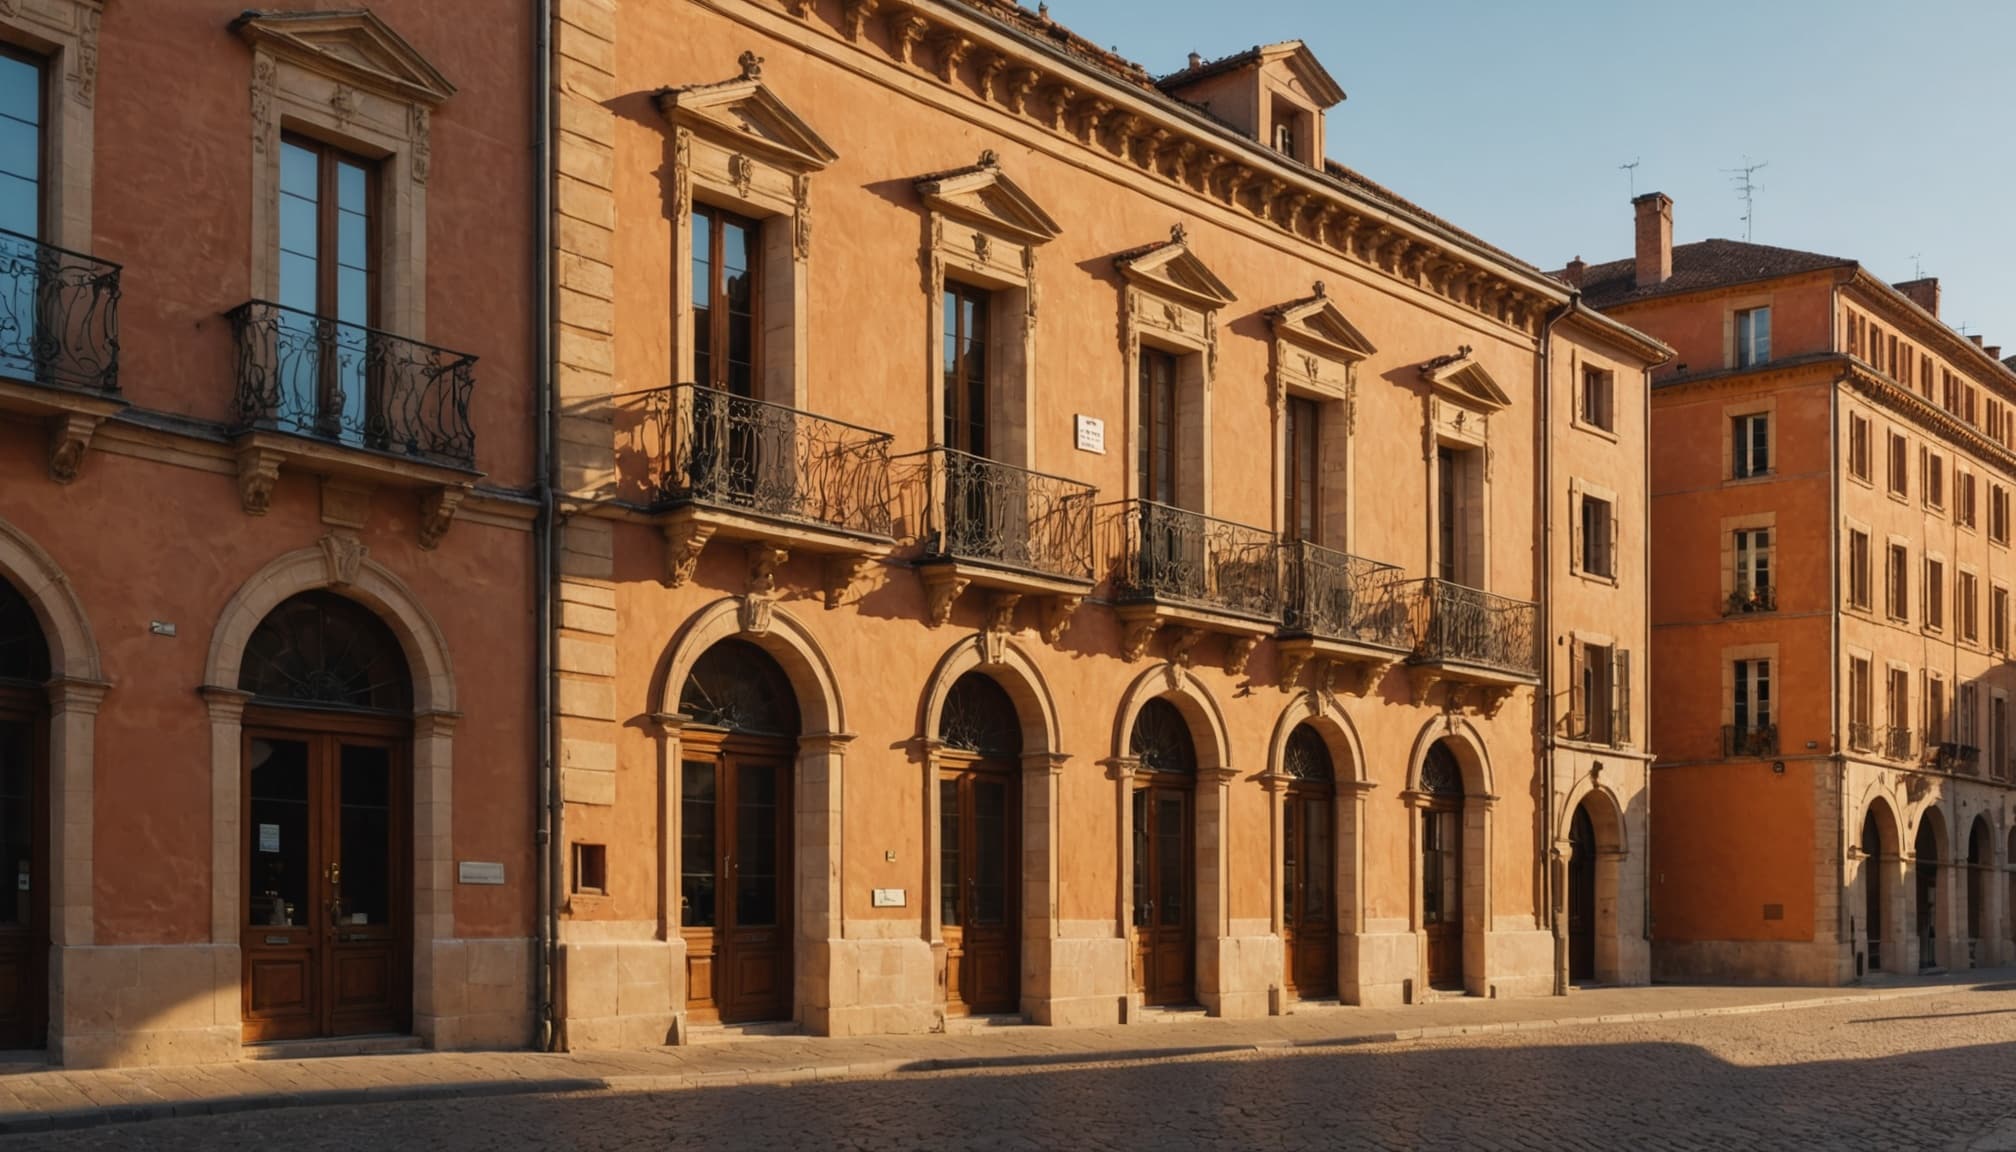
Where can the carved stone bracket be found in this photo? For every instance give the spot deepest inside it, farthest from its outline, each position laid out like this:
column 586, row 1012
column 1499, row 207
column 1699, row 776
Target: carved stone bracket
column 952, row 47
column 942, row 586
column 1238, row 650
column 1057, row 613
column 344, row 554
column 1358, row 677
column 683, row 542
column 1421, row 680
column 854, row 14
column 906, row 28
column 1293, row 660
column 1135, row 636
column 1491, row 701
column 258, row 472
column 1183, row 644
column 437, row 512
column 1001, row 611
column 69, row 441
column 840, row 571
column 764, row 560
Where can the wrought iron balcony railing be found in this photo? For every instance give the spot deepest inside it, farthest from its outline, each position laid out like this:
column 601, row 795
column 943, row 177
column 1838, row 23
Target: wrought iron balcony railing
column 1952, row 756
column 1861, row 736
column 318, row 377
column 708, row 447
column 1459, row 624
column 1746, row 599
column 1337, row 596
column 1897, row 742
column 1761, row 740
column 59, row 316
column 984, row 510
column 1177, row 555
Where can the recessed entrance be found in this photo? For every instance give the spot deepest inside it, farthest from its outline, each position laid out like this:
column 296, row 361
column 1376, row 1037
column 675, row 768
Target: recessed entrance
column 1165, row 929
column 327, row 938
column 1442, row 866
column 24, row 815
column 1308, row 866
column 1873, row 888
column 735, row 835
column 978, row 839
column 1926, row 850
column 1581, row 895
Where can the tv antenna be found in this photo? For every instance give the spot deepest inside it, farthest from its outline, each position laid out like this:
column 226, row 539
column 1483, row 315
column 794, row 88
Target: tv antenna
column 1631, row 175
column 1917, row 267
column 1746, row 190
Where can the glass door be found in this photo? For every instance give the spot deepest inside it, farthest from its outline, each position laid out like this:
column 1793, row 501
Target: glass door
column 977, row 872
column 1442, row 894
column 24, row 921
column 1309, row 922
column 1163, row 921
column 735, row 815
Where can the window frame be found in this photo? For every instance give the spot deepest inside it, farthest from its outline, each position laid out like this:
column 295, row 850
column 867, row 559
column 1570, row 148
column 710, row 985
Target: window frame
column 1746, row 431
column 1897, row 581
column 1897, row 469
column 1859, row 449
column 1861, row 573
column 1596, row 400
column 959, row 301
column 1303, row 426
column 1748, row 703
column 1933, row 593
column 1747, row 347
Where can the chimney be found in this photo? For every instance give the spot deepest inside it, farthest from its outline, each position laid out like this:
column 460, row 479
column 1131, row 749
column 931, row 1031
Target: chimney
column 1976, row 338
column 1923, row 292
column 1994, row 350
column 1655, row 238
column 1196, row 61
column 1573, row 273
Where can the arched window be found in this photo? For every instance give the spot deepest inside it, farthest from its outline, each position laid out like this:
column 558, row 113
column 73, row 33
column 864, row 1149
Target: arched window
column 321, row 650
column 979, row 716
column 737, row 686
column 1161, row 739
column 1440, row 774
column 1308, row 756
column 24, row 655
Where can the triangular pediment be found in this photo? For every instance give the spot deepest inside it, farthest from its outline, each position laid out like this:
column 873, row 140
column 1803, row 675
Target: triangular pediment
column 353, row 45
column 984, row 195
column 1462, row 377
column 1313, row 78
column 747, row 112
column 1172, row 269
column 1316, row 321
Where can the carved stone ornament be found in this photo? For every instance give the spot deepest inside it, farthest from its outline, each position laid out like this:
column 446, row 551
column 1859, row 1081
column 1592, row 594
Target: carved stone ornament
column 265, row 78
column 755, row 614
column 682, row 172
column 437, row 512
column 906, row 28
column 854, row 15
column 993, row 647
column 1183, row 644
column 343, row 554
column 343, row 102
column 751, row 65
column 84, row 79
column 841, row 570
column 420, row 129
column 1057, row 614
column 1293, row 661
column 764, row 560
column 1358, row 677
column 952, row 47
column 942, row 587
column 801, row 230
column 1135, row 636
column 69, row 442
column 258, row 471
column 742, row 171
column 1238, row 650
column 1001, row 611
column 982, row 246
column 683, row 543
column 801, row 8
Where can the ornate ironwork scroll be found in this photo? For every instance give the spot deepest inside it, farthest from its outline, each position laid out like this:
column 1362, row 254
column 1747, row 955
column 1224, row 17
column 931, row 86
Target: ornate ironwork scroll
column 1440, row 774
column 59, row 316
column 979, row 716
column 997, row 513
column 1307, row 756
column 1175, row 554
column 320, row 649
column 1343, row 597
column 1466, row 625
column 737, row 686
column 1161, row 739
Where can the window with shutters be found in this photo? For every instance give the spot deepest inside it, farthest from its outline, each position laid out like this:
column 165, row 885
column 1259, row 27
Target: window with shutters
column 1966, row 727
column 1963, row 498
column 1750, row 445
column 1599, row 396
column 1998, row 618
column 1897, row 584
column 1932, row 477
column 1899, row 472
column 1966, row 606
column 1897, row 713
column 1596, row 530
column 1861, row 733
column 1858, row 570
column 1935, row 594
column 1998, row 736
column 1998, row 514
column 1599, row 708
column 1935, row 709
column 1858, row 448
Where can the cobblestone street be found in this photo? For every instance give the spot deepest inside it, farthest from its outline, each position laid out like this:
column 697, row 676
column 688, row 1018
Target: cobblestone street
column 1934, row 1072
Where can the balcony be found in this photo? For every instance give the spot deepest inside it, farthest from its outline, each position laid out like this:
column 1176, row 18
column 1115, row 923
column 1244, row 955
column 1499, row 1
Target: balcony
column 1897, row 743
column 1861, row 737
column 1008, row 530
column 355, row 405
column 59, row 344
column 1744, row 740
column 1746, row 600
column 1192, row 574
column 1343, row 613
column 1952, row 756
column 1471, row 639
column 771, row 476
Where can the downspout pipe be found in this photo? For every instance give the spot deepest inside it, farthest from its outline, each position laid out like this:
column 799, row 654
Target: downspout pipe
column 546, row 801
column 1544, row 704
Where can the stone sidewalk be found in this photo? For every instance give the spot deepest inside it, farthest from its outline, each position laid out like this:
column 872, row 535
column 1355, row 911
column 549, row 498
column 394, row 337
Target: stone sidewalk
column 40, row 1098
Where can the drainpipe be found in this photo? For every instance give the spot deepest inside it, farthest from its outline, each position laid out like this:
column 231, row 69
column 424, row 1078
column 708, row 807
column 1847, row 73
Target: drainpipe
column 1838, row 759
column 1543, row 712
column 546, row 802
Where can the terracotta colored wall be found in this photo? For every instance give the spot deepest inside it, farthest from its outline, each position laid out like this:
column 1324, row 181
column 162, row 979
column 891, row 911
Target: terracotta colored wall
column 1727, row 840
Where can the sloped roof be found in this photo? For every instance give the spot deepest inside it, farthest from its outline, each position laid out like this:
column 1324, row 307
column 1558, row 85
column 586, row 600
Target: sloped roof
column 1697, row 267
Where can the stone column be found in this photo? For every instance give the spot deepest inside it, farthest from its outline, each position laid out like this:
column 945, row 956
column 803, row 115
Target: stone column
column 73, row 723
column 1046, row 973
column 1477, row 857
column 1276, row 784
column 227, row 847
column 927, row 752
column 1122, row 770
column 1417, row 804
column 817, row 829
column 1350, row 885
column 1215, row 984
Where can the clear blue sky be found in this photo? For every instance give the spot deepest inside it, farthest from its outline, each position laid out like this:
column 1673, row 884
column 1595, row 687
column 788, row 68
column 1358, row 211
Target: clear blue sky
column 1889, row 129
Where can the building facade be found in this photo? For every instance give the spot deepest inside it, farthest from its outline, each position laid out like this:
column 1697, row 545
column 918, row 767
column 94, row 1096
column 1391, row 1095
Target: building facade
column 1036, row 539
column 1831, row 475
column 267, row 609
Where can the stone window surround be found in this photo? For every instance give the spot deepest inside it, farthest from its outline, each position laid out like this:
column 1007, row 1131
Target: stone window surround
column 1856, row 418
column 297, row 90
column 1577, row 367
column 1730, row 525
column 1961, row 477
column 1925, row 587
column 1995, row 644
column 1926, row 459
column 1161, row 315
column 1891, row 601
column 1960, row 613
column 1319, row 366
column 1579, row 490
column 1850, row 654
column 1471, row 437
column 65, row 34
column 1851, row 526
column 1895, row 710
column 1579, row 640
column 1766, row 652
column 1891, row 472
column 1768, row 406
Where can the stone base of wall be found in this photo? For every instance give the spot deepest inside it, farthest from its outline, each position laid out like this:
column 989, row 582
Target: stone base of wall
column 1076, row 981
column 1378, row 969
column 474, row 993
column 153, row 1004
column 880, row 987
column 1239, row 977
column 1522, row 963
column 621, row 993
column 1747, row 962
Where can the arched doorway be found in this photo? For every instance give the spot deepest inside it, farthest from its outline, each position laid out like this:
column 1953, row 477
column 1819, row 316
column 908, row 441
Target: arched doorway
column 1980, row 859
column 1165, row 921
column 1442, row 865
column 1925, row 854
column 2009, row 901
column 978, row 846
column 1879, row 856
column 735, row 834
column 24, row 818
column 1309, row 865
column 1581, row 895
column 327, row 932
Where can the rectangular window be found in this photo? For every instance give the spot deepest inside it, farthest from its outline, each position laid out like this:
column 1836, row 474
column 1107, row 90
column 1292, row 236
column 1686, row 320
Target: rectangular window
column 1303, row 506
column 1752, row 702
column 1998, row 619
column 1998, row 737
column 1595, row 701
column 1858, row 447
column 1898, row 709
column 328, row 243
column 1753, row 337
column 1998, row 513
column 1925, row 376
column 724, row 301
column 1897, row 589
column 1459, row 498
column 1157, row 463
column 1932, row 465
column 965, row 368
column 1899, row 471
column 1753, row 592
column 1890, row 356
column 1965, row 730
column 1963, row 498
column 1750, row 440
column 1967, row 404
column 1599, row 537
column 1858, row 569
column 1935, row 710
column 1935, row 593
column 1966, row 604
column 1598, row 397
column 1860, row 707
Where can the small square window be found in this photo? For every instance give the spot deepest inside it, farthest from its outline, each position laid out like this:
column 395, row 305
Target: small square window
column 591, row 869
column 1599, row 389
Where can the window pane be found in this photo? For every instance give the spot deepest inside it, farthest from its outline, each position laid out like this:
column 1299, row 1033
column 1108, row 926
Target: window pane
column 697, row 852
column 279, row 834
column 951, row 877
column 755, row 845
column 366, row 835
column 299, row 171
column 17, row 838
column 352, row 187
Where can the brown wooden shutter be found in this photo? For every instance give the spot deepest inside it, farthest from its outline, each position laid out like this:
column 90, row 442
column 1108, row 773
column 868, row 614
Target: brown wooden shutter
column 1578, row 722
column 1610, row 560
column 1620, row 684
column 1575, row 535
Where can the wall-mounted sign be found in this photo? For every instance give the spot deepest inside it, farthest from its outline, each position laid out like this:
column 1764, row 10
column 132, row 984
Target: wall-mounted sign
column 269, row 837
column 1091, row 434
column 889, row 897
column 480, row 872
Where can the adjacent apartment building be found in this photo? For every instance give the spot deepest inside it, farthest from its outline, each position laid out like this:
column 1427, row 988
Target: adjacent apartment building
column 1040, row 539
column 1832, row 468
column 267, row 635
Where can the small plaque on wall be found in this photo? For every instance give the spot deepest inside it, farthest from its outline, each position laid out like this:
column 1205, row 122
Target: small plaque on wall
column 1091, row 434
column 480, row 872
column 889, row 898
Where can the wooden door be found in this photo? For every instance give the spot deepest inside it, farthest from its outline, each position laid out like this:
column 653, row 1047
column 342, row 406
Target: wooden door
column 1309, row 918
column 978, row 840
column 1581, row 897
column 735, row 836
column 1442, row 892
column 328, row 930
column 1164, row 921
column 24, row 917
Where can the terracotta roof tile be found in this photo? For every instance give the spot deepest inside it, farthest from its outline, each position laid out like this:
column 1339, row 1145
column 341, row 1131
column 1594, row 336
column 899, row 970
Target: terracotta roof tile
column 1698, row 266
